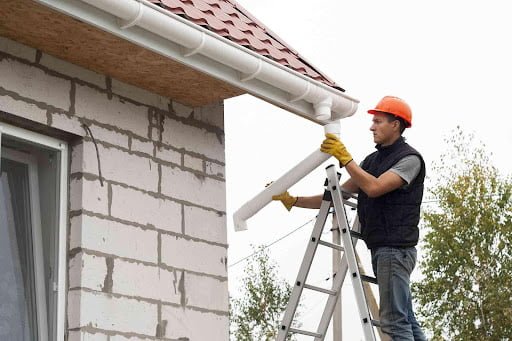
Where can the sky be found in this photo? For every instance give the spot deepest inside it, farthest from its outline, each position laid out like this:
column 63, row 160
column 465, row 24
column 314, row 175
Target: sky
column 450, row 60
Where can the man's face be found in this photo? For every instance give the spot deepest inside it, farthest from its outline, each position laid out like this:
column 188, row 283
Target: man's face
column 383, row 130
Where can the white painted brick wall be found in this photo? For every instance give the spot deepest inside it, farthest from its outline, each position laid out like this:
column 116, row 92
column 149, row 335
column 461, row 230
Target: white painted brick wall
column 195, row 325
column 96, row 105
column 72, row 70
column 88, row 195
column 103, row 311
column 193, row 139
column 87, row 271
column 199, row 290
column 16, row 49
column 17, row 107
column 139, row 280
column 193, row 188
column 114, row 238
column 205, row 224
column 33, row 83
column 132, row 205
column 192, row 255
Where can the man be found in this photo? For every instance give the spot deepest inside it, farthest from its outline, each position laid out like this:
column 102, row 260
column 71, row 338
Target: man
column 389, row 183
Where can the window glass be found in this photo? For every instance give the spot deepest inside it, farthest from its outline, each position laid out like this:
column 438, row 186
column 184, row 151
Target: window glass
column 29, row 202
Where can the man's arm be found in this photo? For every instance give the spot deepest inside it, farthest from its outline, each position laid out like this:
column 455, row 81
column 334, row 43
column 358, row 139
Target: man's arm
column 372, row 186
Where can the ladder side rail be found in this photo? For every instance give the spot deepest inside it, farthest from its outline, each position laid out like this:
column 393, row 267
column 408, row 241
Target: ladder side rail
column 339, row 278
column 334, row 187
column 304, row 270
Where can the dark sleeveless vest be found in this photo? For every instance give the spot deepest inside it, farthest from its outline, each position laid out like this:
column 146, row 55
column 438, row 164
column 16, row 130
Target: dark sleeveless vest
column 391, row 219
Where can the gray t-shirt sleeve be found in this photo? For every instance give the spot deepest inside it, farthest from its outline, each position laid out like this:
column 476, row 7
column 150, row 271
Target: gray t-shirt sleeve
column 408, row 168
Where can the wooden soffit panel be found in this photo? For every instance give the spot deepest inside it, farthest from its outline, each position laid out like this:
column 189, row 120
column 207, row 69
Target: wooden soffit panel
column 66, row 38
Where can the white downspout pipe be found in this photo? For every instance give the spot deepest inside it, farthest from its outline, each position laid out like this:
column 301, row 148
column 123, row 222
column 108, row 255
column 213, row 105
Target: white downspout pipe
column 198, row 40
column 282, row 184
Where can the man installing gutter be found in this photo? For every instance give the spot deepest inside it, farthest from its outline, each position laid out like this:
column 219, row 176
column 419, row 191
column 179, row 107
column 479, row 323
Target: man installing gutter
column 389, row 183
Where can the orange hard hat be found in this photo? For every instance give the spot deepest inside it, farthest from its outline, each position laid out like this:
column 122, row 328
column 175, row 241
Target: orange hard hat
column 394, row 106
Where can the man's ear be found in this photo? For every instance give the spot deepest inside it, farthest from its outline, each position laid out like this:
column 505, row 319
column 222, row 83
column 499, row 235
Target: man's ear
column 397, row 124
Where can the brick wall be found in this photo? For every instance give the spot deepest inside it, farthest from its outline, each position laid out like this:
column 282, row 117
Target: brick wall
column 147, row 238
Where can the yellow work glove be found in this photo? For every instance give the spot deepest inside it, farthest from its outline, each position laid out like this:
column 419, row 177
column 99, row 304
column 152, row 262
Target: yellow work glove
column 332, row 145
column 287, row 199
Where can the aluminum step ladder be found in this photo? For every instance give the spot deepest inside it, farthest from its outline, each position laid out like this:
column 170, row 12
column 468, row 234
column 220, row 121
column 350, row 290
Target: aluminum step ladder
column 332, row 195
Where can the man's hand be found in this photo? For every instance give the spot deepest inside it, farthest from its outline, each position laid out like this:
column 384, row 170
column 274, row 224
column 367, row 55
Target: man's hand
column 332, row 145
column 287, row 199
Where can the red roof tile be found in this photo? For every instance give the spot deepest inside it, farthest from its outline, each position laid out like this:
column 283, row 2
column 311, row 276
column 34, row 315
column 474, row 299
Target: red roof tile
column 229, row 20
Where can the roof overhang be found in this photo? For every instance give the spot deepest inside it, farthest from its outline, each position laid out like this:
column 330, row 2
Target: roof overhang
column 182, row 42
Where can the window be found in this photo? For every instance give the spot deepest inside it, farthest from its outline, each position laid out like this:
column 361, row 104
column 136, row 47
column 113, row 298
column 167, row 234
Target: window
column 33, row 197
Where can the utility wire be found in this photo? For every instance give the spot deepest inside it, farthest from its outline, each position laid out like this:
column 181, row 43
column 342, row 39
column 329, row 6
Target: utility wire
column 274, row 242
column 293, row 231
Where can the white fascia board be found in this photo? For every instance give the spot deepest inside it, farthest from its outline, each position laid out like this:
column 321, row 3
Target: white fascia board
column 167, row 34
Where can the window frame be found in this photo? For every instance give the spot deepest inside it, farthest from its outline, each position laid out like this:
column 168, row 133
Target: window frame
column 61, row 251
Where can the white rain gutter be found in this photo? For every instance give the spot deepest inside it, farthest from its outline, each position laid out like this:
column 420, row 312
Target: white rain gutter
column 282, row 184
column 145, row 24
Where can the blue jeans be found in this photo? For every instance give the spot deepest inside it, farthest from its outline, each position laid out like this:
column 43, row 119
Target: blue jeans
column 392, row 267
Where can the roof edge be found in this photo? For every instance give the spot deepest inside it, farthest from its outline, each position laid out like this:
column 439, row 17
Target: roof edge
column 166, row 33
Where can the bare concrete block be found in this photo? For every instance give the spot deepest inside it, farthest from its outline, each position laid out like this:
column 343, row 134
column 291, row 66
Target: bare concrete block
column 139, row 280
column 139, row 95
column 181, row 109
column 194, row 325
column 215, row 169
column 132, row 205
column 73, row 70
column 87, row 271
column 195, row 256
column 23, row 109
column 142, row 146
column 88, row 195
column 71, row 124
column 103, row 311
column 120, row 166
column 206, row 292
column 204, row 224
column 193, row 162
column 193, row 188
column 33, row 83
column 193, row 139
column 168, row 155
column 80, row 335
column 95, row 105
column 114, row 238
column 109, row 136
column 17, row 49
column 211, row 114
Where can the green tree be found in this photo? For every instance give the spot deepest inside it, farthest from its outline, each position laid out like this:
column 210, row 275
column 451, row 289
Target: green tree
column 467, row 290
column 256, row 315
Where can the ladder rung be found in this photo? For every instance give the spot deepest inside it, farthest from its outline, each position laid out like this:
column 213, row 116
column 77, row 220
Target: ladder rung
column 350, row 203
column 304, row 332
column 369, row 279
column 325, row 291
column 356, row 234
column 376, row 323
column 331, row 245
